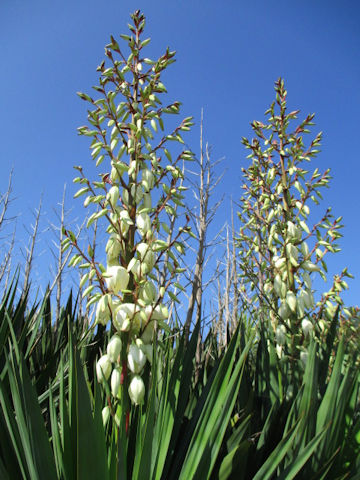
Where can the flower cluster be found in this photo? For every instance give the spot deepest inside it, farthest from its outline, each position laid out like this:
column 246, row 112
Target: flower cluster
column 279, row 250
column 135, row 319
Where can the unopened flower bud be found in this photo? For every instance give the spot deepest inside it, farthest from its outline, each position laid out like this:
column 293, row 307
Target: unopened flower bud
column 304, row 249
column 267, row 287
column 311, row 267
column 321, row 325
column 125, row 197
column 114, row 175
column 300, row 306
column 319, row 253
column 279, row 286
column 307, row 279
column 136, row 323
column 308, row 299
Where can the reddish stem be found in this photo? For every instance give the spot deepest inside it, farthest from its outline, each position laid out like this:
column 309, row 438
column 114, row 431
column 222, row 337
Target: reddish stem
column 123, row 373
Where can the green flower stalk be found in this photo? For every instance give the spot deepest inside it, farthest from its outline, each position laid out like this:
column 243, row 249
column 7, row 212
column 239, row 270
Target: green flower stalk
column 132, row 201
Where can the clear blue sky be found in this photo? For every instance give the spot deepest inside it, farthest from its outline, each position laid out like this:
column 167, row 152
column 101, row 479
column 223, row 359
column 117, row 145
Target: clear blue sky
column 229, row 55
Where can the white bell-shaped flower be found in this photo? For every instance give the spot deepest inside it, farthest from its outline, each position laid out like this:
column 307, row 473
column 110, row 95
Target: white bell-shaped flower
column 307, row 327
column 125, row 221
column 104, row 310
column 147, row 180
column 113, row 246
column 137, row 193
column 115, row 382
column 123, row 316
column 291, row 300
column 136, row 268
column 113, row 195
column 146, row 257
column 148, row 292
column 136, row 390
column 114, row 348
column 105, row 413
column 279, row 262
column 143, row 223
column 304, row 357
column 293, row 232
column 136, row 358
column 160, row 312
column 103, row 368
column 117, row 278
column 281, row 335
column 284, row 311
column 148, row 333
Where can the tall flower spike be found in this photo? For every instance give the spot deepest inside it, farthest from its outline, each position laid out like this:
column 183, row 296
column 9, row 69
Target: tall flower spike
column 133, row 199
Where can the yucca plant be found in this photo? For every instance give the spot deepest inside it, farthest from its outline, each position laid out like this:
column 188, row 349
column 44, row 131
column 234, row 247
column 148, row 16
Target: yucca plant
column 133, row 202
column 280, row 249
